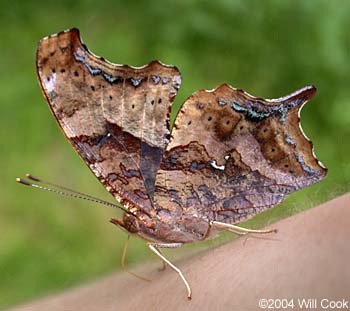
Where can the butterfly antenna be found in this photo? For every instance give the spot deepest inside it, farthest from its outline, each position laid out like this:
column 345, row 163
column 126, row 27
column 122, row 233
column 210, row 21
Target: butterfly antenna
column 67, row 192
column 47, row 183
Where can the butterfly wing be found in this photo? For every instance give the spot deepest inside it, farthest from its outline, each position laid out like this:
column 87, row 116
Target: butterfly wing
column 232, row 155
column 115, row 116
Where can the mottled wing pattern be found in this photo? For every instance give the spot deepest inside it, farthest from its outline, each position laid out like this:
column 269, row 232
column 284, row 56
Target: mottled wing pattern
column 232, row 155
column 115, row 116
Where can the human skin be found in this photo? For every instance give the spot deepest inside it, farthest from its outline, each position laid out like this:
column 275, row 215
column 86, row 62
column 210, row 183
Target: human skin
column 307, row 258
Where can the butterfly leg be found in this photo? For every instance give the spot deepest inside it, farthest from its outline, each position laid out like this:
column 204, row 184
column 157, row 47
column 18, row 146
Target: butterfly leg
column 239, row 230
column 119, row 223
column 154, row 247
column 123, row 263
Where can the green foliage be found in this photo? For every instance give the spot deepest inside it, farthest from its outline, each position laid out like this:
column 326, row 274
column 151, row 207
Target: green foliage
column 269, row 48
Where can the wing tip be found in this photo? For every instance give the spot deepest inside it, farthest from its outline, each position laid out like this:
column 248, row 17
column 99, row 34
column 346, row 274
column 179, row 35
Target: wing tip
column 74, row 31
column 303, row 94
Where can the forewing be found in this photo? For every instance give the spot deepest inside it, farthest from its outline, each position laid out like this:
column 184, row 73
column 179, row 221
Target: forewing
column 115, row 116
column 232, row 155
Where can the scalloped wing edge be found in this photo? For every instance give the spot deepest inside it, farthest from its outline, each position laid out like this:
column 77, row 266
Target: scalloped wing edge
column 77, row 36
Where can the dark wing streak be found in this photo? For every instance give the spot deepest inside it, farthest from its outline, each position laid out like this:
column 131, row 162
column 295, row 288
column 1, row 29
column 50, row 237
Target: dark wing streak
column 142, row 132
column 114, row 137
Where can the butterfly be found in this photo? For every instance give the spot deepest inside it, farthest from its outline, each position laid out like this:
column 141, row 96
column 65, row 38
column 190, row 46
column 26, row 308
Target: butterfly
column 228, row 157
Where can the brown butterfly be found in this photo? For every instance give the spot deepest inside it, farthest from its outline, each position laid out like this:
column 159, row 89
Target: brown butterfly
column 228, row 157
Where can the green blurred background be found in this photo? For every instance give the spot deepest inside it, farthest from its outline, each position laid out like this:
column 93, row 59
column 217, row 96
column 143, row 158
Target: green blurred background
column 268, row 48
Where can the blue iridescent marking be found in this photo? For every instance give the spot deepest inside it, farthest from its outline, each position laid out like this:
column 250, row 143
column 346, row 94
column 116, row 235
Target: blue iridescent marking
column 92, row 70
column 79, row 58
column 52, row 95
column 257, row 116
column 238, row 107
column 136, row 82
column 305, row 167
column 96, row 71
column 155, row 79
column 221, row 102
column 289, row 140
column 250, row 113
column 112, row 79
